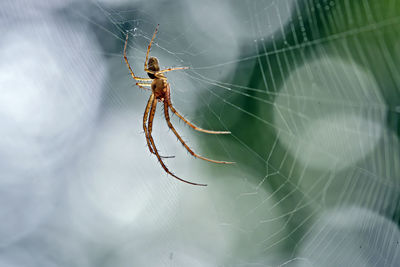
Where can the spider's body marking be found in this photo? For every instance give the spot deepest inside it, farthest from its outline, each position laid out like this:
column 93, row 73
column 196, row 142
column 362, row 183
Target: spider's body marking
column 159, row 87
column 161, row 92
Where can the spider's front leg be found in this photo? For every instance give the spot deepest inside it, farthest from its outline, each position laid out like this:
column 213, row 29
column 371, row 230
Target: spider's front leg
column 157, row 71
column 163, row 71
column 171, row 69
column 129, row 66
column 149, row 47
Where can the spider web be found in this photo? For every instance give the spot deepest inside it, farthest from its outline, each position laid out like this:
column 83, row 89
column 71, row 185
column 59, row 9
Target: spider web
column 309, row 91
column 299, row 85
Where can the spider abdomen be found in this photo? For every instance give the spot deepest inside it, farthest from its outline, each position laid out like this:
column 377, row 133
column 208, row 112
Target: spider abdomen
column 159, row 88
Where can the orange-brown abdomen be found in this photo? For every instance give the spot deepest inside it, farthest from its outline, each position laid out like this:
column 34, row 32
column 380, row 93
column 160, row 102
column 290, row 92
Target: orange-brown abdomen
column 159, row 88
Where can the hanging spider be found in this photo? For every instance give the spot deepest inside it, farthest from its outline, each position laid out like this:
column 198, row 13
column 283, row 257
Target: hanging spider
column 161, row 93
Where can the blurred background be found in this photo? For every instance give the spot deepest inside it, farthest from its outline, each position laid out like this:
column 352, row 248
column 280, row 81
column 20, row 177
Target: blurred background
column 308, row 88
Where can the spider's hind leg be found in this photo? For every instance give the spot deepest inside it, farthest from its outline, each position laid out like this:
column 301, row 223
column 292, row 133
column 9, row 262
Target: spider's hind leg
column 145, row 115
column 191, row 124
column 153, row 145
column 187, row 121
column 167, row 118
column 148, row 131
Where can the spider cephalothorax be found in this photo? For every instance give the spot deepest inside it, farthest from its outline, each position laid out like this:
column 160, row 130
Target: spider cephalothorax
column 161, row 92
column 153, row 66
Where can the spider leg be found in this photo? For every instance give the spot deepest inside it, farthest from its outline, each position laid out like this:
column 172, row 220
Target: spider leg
column 159, row 74
column 144, row 85
column 147, row 58
column 188, row 122
column 145, row 115
column 148, row 48
column 166, row 113
column 170, row 69
column 129, row 66
column 194, row 126
column 152, row 112
column 148, row 131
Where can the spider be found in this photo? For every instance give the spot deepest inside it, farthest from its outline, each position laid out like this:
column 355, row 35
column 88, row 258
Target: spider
column 160, row 89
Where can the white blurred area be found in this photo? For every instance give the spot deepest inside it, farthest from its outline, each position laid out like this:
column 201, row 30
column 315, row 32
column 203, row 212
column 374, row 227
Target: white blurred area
column 118, row 184
column 350, row 236
column 49, row 101
column 222, row 27
column 50, row 97
column 332, row 112
column 28, row 9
